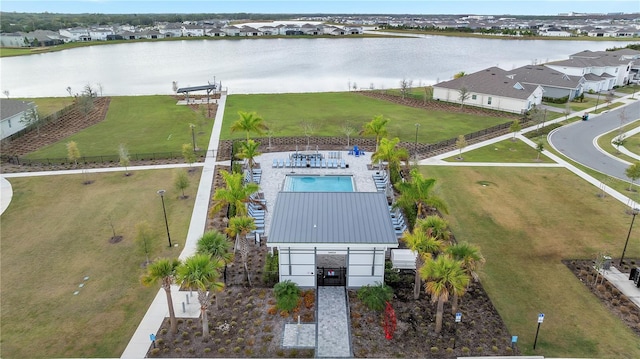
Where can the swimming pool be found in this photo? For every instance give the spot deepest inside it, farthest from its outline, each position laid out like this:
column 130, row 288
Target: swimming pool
column 295, row 183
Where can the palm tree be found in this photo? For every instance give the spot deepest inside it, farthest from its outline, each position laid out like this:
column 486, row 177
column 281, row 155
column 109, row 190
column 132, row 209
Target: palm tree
column 389, row 152
column 249, row 152
column 239, row 227
column 235, row 194
column 249, row 122
column 444, row 277
column 201, row 273
column 425, row 247
column 377, row 126
column 163, row 270
column 471, row 261
column 218, row 246
column 417, row 193
column 435, row 226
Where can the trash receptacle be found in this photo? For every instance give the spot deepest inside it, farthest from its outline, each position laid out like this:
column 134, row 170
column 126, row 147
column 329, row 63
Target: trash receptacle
column 607, row 263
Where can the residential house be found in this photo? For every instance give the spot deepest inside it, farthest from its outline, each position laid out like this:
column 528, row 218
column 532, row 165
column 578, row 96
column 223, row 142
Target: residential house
column 268, row 30
column 100, row 34
column 192, row 30
column 249, row 31
column 491, row 88
column 171, row 30
column 214, row 32
column 231, row 30
column 554, row 83
column 76, row 34
column 612, row 66
column 13, row 111
column 13, row 39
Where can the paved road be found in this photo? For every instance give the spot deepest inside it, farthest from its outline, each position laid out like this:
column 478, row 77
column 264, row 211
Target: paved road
column 577, row 141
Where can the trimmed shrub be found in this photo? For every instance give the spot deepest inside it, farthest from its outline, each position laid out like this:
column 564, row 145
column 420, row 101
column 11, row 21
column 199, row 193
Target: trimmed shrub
column 287, row 294
column 375, row 297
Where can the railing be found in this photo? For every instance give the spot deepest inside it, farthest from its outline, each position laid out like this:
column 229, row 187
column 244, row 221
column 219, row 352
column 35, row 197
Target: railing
column 51, row 118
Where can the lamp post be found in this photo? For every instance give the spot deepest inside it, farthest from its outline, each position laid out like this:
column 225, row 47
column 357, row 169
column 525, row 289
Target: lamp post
column 415, row 149
column 634, row 213
column 166, row 223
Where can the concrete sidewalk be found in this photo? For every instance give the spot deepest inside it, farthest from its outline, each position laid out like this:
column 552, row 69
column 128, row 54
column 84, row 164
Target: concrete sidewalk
column 158, row 311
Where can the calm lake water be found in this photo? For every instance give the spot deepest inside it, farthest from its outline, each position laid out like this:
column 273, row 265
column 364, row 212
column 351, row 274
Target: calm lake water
column 273, row 65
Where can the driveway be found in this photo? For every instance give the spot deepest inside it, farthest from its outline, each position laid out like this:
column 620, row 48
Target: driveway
column 577, row 141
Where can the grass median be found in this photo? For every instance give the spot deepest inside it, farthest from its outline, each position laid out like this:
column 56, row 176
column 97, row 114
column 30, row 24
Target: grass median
column 526, row 221
column 509, row 151
column 329, row 112
column 56, row 232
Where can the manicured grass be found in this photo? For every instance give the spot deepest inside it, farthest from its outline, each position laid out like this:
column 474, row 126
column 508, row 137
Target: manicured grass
column 49, row 105
column 526, row 221
column 145, row 124
column 328, row 112
column 615, row 183
column 504, row 151
column 607, row 106
column 629, row 89
column 631, row 143
column 576, row 106
column 55, row 232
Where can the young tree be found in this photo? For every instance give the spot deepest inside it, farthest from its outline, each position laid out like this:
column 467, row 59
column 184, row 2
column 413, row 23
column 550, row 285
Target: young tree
column 405, row 87
column 425, row 247
column 418, row 193
column 471, row 261
column 240, row 227
column 73, row 153
column 428, row 94
column 461, row 143
column 30, row 118
column 377, row 127
column 201, row 273
column 218, row 246
column 6, row 93
column 459, row 75
column 174, row 87
column 100, row 88
column 234, row 194
column 308, row 128
column 181, row 183
column 124, row 158
column 249, row 122
column 463, row 95
column 539, row 149
column 389, row 152
column 188, row 154
column 348, row 130
column 163, row 270
column 609, row 98
column 249, row 152
column 633, row 172
column 444, row 277
column 567, row 110
column 270, row 133
column 145, row 239
column 515, row 128
column 85, row 101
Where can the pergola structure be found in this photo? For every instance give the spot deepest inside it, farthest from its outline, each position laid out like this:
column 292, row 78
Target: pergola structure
column 211, row 87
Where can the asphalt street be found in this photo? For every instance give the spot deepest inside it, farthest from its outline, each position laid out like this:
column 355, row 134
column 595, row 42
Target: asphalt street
column 577, row 141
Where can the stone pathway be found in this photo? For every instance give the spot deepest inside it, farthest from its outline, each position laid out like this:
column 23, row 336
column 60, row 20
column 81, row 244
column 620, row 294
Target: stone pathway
column 334, row 338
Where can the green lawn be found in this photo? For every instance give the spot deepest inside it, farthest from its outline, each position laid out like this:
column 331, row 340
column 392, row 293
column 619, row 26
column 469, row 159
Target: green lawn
column 526, row 221
column 49, row 105
column 328, row 112
column 632, row 143
column 55, row 232
column 145, row 124
column 576, row 106
column 503, row 151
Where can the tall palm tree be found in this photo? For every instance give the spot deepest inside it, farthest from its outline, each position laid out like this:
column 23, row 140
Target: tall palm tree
column 249, row 151
column 418, row 192
column 201, row 273
column 239, row 227
column 218, row 246
column 425, row 247
column 163, row 270
column 249, row 122
column 235, row 194
column 377, row 126
column 444, row 277
column 471, row 261
column 389, row 152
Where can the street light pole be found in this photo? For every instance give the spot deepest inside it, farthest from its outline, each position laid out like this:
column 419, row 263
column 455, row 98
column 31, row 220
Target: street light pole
column 415, row 149
column 634, row 213
column 164, row 210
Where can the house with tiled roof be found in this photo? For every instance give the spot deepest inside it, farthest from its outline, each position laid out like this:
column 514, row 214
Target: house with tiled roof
column 554, row 83
column 491, row 88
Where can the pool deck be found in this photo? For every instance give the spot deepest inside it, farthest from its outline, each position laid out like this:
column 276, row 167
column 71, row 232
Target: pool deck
column 273, row 178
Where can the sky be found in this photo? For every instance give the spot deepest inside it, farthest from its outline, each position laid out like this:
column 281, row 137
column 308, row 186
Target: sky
column 417, row 7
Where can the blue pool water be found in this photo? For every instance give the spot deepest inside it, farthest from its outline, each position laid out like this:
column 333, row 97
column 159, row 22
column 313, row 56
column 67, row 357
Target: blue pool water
column 318, row 184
